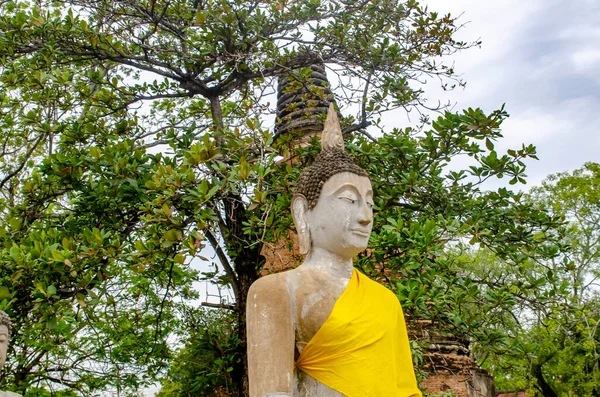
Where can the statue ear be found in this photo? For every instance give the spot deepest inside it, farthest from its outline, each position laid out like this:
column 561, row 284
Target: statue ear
column 299, row 213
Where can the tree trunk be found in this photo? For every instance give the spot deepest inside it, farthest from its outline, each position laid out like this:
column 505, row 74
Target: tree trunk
column 245, row 281
column 247, row 274
column 543, row 386
column 246, row 262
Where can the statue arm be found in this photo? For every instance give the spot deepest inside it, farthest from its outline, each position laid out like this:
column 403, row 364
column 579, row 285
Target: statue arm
column 270, row 327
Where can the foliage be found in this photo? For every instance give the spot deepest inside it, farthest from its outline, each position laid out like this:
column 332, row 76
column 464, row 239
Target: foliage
column 37, row 392
column 424, row 214
column 554, row 340
column 205, row 364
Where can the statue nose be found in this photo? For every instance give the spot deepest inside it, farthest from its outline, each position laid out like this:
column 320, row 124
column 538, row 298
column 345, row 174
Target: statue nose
column 365, row 215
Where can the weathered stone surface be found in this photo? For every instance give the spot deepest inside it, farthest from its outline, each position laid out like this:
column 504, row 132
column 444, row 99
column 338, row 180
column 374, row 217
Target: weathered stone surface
column 481, row 384
column 333, row 213
column 5, row 330
column 281, row 256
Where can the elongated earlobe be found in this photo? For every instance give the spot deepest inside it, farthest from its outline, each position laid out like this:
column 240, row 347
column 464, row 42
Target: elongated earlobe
column 299, row 213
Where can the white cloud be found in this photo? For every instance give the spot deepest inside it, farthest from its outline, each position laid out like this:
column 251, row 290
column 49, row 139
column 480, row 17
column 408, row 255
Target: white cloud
column 566, row 135
column 586, row 60
column 541, row 58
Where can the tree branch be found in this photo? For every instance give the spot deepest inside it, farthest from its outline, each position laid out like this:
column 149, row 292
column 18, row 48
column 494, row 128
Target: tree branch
column 225, row 262
column 218, row 305
column 22, row 165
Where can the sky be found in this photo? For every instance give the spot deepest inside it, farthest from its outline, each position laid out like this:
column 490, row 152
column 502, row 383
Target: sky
column 542, row 59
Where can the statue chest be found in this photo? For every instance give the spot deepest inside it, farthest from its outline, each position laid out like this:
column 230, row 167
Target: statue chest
column 313, row 305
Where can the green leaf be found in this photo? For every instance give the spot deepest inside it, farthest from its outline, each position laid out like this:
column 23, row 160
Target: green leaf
column 58, row 256
column 166, row 210
column 52, row 323
column 4, row 293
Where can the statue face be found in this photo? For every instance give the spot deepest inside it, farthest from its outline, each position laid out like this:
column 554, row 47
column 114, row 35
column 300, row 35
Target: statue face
column 3, row 344
column 342, row 220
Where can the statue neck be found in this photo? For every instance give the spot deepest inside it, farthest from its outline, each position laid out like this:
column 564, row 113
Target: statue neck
column 329, row 262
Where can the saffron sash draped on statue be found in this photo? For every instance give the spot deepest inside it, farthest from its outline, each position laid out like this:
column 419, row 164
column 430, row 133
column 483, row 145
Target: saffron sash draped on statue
column 362, row 349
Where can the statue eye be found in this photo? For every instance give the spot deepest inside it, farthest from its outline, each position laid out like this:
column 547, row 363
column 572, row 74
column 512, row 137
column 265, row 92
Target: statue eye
column 348, row 199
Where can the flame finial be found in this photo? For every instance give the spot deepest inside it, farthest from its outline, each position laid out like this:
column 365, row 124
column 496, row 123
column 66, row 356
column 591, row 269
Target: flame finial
column 331, row 137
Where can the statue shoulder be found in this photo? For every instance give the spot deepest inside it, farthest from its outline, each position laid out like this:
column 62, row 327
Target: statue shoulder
column 272, row 286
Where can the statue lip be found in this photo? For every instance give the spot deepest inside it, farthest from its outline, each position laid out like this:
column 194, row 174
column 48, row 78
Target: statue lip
column 363, row 233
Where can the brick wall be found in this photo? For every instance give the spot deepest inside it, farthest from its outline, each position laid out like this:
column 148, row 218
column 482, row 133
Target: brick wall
column 446, row 383
column 282, row 255
column 472, row 382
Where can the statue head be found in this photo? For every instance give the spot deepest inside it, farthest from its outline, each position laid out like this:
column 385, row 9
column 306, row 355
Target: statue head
column 333, row 202
column 5, row 328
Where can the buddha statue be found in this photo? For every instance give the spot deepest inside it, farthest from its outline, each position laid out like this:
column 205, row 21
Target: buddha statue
column 5, row 328
column 324, row 329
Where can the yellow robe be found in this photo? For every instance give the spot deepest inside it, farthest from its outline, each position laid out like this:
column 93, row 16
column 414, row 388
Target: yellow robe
column 362, row 348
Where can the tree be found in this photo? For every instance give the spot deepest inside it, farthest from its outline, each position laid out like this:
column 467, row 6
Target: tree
column 555, row 340
column 132, row 136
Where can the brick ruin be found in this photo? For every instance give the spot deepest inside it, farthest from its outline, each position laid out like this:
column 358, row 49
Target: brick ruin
column 301, row 105
column 449, row 365
column 301, row 108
